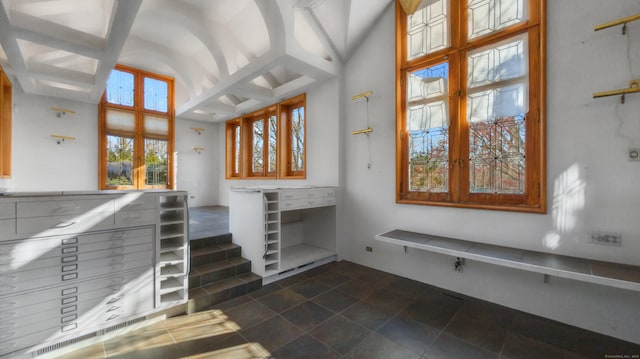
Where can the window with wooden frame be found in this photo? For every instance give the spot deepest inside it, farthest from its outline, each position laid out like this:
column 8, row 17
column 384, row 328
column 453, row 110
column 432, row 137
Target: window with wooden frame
column 6, row 106
column 471, row 104
column 294, row 151
column 269, row 143
column 261, row 134
column 136, row 131
column 232, row 128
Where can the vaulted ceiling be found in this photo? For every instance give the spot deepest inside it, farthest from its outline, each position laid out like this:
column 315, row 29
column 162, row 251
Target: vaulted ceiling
column 228, row 56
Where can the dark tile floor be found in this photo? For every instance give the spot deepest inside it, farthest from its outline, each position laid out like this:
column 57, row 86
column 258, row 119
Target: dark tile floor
column 344, row 310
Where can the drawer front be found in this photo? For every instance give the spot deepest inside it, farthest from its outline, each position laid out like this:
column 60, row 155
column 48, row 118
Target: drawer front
column 329, row 192
column 65, row 224
column 135, row 218
column 140, row 235
column 330, row 200
column 311, row 202
column 134, row 202
column 7, row 227
column 63, row 207
column 289, row 204
column 7, row 210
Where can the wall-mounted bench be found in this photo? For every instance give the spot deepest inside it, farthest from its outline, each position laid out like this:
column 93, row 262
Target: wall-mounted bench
column 586, row 270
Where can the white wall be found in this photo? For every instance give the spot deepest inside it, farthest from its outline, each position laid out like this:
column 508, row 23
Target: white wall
column 39, row 164
column 197, row 173
column 592, row 186
column 323, row 145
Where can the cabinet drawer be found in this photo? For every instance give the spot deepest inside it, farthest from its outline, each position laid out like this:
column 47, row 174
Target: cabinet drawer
column 64, row 224
column 7, row 210
column 289, row 204
column 329, row 192
column 64, row 207
column 7, row 227
column 141, row 217
column 311, row 202
column 135, row 201
column 330, row 200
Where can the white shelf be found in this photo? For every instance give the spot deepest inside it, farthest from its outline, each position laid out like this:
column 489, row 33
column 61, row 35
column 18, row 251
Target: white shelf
column 170, row 257
column 171, row 297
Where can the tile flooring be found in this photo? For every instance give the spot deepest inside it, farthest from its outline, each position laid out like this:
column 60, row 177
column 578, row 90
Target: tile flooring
column 344, row 310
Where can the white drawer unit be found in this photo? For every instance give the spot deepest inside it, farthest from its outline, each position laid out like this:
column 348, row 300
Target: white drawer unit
column 284, row 229
column 77, row 263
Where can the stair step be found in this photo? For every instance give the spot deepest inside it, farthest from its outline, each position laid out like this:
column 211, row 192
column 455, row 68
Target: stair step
column 205, row 274
column 223, row 290
column 197, row 242
column 214, row 253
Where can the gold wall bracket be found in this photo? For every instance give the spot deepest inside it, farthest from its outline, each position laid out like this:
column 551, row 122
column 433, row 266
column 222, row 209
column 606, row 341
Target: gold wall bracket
column 365, row 131
column 60, row 138
column 634, row 86
column 199, row 150
column 60, row 112
column 622, row 22
column 198, row 130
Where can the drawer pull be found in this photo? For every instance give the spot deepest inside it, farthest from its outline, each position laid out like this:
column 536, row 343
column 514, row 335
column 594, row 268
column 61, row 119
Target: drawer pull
column 114, row 299
column 65, row 224
column 69, row 291
column 70, row 268
column 73, row 240
column 69, row 259
column 69, row 327
column 113, row 316
column 69, row 309
column 117, row 279
column 114, row 308
column 68, row 318
column 68, row 250
column 62, row 209
column 69, row 300
column 70, row 276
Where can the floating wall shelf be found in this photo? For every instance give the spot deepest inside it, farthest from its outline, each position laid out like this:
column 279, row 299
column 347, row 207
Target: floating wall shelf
column 634, row 86
column 622, row 22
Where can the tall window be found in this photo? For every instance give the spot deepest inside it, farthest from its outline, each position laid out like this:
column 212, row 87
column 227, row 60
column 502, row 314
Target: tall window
column 261, row 132
column 6, row 107
column 136, row 131
column 470, row 101
column 268, row 143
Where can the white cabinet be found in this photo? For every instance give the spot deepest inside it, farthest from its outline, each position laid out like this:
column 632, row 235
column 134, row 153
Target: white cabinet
column 284, row 230
column 71, row 265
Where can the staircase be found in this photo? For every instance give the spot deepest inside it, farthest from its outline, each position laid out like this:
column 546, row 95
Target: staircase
column 218, row 272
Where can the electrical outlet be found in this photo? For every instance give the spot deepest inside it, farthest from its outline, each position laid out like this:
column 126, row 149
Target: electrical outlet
column 607, row 238
column 634, row 154
column 368, row 249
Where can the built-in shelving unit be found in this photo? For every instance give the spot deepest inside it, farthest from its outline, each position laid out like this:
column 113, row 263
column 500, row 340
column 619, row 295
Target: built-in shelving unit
column 172, row 262
column 284, row 230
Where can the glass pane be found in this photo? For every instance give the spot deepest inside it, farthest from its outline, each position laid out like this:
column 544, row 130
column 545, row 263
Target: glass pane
column 428, row 28
column 155, row 95
column 428, row 129
column 497, row 156
column 120, row 88
column 297, row 139
column 497, row 103
column 155, row 162
column 488, row 16
column 257, row 149
column 119, row 161
column 273, row 136
column 236, row 160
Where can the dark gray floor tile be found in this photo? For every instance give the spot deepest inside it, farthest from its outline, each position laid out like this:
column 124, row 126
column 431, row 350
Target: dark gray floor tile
column 306, row 347
column 272, row 334
column 389, row 299
column 265, row 290
column 250, row 313
column 519, row 346
column 230, row 304
column 281, row 300
column 483, row 334
column 307, row 315
column 368, row 315
column 448, row 347
column 378, row 347
column 335, row 301
column 411, row 288
column 207, row 345
column 538, row 328
column 433, row 316
column 358, row 288
column 340, row 334
column 309, row 288
column 409, row 333
column 485, row 311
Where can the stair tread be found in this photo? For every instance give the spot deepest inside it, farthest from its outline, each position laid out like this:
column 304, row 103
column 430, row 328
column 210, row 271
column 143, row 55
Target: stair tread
column 214, row 249
column 216, row 266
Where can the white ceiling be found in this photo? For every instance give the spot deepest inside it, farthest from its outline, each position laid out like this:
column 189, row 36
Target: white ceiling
column 228, row 56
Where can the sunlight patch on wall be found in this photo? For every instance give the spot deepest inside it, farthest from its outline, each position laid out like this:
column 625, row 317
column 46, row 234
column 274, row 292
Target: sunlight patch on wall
column 568, row 199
